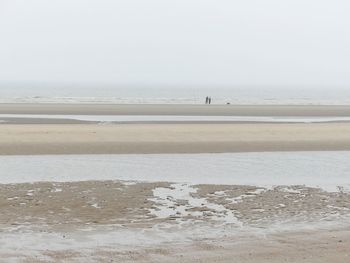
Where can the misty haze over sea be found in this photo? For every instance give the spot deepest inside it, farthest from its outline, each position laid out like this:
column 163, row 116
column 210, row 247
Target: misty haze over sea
column 239, row 52
column 172, row 94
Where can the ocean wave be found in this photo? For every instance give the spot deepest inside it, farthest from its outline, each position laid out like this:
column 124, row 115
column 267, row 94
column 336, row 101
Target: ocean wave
column 141, row 100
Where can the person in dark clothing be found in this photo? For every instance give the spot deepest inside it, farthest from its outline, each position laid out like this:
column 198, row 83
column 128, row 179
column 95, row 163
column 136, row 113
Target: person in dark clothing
column 207, row 100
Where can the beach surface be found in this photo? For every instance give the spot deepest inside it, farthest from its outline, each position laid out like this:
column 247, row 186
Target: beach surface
column 121, row 221
column 173, row 191
column 162, row 109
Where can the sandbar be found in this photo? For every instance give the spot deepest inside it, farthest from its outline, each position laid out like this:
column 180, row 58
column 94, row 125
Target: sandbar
column 171, row 138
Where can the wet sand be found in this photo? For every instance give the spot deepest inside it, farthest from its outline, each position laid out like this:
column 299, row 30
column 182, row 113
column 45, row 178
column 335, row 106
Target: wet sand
column 273, row 225
column 187, row 110
column 66, row 205
column 306, row 247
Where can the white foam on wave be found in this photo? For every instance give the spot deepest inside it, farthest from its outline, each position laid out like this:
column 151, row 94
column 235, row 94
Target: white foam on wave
column 178, row 100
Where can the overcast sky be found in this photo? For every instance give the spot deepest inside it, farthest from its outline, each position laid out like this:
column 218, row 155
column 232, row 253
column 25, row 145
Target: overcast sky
column 177, row 42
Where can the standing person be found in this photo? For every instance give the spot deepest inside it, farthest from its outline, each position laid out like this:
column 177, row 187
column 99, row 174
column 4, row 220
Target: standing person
column 207, row 100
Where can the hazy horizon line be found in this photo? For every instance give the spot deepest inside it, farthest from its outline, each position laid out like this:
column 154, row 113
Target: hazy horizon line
column 160, row 85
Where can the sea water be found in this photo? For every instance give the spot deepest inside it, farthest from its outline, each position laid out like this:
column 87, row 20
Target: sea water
column 327, row 170
column 11, row 93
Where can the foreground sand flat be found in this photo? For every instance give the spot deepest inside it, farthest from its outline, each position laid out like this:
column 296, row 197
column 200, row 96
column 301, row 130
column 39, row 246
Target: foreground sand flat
column 63, row 206
column 66, row 216
column 171, row 138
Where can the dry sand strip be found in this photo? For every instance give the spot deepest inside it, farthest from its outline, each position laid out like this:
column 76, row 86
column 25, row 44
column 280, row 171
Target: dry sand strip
column 169, row 109
column 171, row 138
